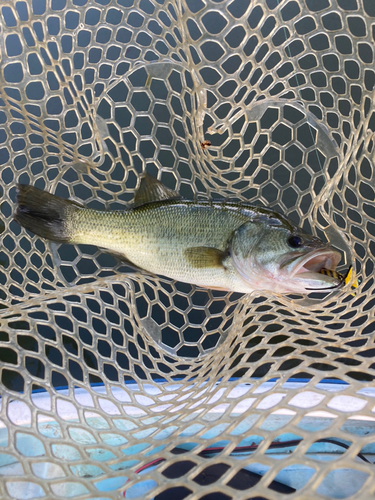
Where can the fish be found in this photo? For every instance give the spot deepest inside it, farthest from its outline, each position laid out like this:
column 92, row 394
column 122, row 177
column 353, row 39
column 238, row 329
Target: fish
column 219, row 245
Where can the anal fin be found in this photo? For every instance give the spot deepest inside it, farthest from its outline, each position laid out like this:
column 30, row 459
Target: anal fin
column 122, row 258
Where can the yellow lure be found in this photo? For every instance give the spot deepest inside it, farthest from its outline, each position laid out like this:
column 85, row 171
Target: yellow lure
column 348, row 277
column 345, row 278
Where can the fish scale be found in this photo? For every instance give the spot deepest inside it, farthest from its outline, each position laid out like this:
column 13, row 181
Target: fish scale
column 155, row 237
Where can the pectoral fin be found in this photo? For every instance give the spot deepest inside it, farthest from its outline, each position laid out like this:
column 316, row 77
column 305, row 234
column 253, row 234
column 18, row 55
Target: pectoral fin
column 203, row 257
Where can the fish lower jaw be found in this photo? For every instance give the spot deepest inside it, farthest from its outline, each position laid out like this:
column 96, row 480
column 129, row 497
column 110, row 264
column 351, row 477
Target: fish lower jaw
column 303, row 282
column 263, row 285
column 307, row 282
column 273, row 283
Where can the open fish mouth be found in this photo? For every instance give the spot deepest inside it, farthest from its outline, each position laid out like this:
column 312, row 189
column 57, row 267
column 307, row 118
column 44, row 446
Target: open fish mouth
column 315, row 261
column 307, row 269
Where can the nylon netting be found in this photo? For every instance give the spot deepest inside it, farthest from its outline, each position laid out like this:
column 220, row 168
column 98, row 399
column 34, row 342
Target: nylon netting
column 104, row 369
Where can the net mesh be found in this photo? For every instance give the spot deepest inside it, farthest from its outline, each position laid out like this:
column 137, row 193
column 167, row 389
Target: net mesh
column 104, row 369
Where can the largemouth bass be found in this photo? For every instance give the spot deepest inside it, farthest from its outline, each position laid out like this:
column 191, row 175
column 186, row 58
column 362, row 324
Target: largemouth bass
column 217, row 245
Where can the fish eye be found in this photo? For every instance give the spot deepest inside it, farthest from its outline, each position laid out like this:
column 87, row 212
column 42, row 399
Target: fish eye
column 295, row 241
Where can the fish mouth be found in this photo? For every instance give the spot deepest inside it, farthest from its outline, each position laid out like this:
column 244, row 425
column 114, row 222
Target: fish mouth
column 307, row 268
column 314, row 262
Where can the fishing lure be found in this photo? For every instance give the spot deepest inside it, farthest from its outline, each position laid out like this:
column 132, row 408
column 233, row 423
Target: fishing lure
column 343, row 278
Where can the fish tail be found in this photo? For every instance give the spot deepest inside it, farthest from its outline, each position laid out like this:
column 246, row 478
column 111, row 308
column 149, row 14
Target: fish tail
column 45, row 214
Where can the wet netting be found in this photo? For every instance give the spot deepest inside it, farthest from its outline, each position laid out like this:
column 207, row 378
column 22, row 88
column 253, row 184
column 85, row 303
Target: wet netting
column 117, row 383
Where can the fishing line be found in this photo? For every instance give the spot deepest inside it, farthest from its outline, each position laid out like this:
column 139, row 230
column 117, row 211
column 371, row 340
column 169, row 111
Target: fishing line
column 289, row 53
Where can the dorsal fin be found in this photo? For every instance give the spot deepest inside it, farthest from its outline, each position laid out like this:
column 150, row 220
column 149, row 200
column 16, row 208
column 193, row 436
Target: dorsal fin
column 152, row 190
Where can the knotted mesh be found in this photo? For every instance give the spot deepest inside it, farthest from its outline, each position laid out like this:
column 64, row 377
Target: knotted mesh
column 104, row 369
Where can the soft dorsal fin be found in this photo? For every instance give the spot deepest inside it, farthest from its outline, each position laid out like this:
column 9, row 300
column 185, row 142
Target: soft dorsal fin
column 152, row 190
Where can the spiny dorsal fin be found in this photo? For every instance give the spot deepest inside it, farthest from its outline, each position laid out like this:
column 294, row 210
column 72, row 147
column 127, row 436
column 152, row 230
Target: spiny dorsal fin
column 201, row 257
column 152, row 190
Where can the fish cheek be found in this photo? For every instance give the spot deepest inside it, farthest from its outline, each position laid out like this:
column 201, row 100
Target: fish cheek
column 273, row 249
column 245, row 240
column 256, row 250
column 243, row 250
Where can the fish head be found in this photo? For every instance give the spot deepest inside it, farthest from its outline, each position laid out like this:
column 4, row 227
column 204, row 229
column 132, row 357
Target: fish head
column 273, row 254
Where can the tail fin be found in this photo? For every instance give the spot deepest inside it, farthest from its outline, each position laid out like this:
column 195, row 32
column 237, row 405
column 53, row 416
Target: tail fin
column 45, row 214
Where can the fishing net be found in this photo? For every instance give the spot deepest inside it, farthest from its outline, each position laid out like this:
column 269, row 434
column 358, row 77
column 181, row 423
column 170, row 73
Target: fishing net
column 114, row 381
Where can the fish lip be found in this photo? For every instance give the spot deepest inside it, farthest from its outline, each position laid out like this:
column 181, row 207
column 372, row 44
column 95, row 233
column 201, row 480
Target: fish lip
column 326, row 258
